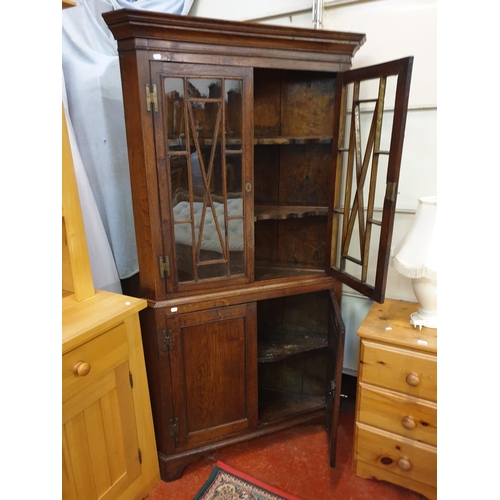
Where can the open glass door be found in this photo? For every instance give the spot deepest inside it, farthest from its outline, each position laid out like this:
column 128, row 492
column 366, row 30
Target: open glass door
column 370, row 117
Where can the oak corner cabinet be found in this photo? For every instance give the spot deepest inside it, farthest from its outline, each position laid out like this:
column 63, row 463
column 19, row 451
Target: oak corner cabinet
column 395, row 436
column 264, row 176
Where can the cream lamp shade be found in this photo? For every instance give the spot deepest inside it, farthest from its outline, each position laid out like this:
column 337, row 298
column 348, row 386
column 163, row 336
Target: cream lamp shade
column 416, row 258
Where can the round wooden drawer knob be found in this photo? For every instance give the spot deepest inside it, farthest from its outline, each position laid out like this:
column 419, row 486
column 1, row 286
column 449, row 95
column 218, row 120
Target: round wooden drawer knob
column 404, row 464
column 412, row 379
column 409, row 423
column 81, row 369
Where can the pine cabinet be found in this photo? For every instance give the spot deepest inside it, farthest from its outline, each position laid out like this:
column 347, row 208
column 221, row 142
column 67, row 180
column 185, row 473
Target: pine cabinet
column 264, row 176
column 395, row 436
column 108, row 440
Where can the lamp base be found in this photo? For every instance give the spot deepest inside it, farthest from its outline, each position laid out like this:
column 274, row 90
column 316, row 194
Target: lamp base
column 421, row 318
column 425, row 290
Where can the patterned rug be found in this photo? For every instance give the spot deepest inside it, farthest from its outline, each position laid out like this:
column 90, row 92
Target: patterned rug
column 226, row 483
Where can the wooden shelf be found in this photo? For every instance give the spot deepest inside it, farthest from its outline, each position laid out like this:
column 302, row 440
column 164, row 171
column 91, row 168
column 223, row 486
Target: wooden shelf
column 280, row 140
column 258, row 141
column 278, row 345
column 270, row 212
column 265, row 271
column 276, row 405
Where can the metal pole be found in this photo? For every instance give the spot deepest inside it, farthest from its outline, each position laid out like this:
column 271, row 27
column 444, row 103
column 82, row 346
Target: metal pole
column 317, row 14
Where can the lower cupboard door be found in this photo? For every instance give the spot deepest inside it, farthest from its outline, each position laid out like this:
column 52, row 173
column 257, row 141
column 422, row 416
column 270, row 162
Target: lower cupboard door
column 214, row 374
column 100, row 446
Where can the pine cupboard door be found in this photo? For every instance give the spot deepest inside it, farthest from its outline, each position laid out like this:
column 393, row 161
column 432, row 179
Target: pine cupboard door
column 370, row 117
column 101, row 456
column 213, row 359
column 336, row 341
column 204, row 152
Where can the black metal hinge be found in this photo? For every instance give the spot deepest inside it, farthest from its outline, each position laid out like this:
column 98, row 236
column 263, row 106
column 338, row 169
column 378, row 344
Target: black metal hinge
column 168, row 343
column 174, row 427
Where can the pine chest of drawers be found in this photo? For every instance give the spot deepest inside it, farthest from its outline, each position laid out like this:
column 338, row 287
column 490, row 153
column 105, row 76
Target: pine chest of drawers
column 395, row 436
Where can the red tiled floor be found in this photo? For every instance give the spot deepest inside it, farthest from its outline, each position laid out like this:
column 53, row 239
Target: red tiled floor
column 295, row 461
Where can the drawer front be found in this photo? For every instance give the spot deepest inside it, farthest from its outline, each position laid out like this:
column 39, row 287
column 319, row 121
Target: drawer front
column 404, row 457
column 410, row 417
column 410, row 372
column 85, row 364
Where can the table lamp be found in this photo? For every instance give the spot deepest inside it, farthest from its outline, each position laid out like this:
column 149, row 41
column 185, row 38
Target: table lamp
column 416, row 258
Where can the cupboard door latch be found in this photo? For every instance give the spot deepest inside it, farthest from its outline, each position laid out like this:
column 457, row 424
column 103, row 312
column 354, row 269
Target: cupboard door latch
column 174, row 427
column 167, row 341
column 151, row 98
column 164, row 266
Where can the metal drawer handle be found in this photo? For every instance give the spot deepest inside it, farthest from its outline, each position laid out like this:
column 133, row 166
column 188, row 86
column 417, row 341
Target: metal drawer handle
column 81, row 369
column 412, row 379
column 404, row 464
column 409, row 422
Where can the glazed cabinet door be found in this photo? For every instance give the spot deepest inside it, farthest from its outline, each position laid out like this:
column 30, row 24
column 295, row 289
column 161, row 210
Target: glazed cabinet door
column 370, row 117
column 203, row 140
column 213, row 360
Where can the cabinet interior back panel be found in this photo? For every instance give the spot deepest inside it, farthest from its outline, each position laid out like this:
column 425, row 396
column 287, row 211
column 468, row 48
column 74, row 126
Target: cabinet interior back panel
column 307, row 103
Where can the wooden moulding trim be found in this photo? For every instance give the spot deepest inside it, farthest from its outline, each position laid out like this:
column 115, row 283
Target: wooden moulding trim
column 130, row 23
column 175, row 51
column 241, row 294
column 238, row 56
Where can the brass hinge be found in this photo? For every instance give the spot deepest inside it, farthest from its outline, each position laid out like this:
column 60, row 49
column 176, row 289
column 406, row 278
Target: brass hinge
column 164, row 266
column 174, row 427
column 131, row 379
column 167, row 340
column 151, row 98
column 391, row 191
column 140, row 455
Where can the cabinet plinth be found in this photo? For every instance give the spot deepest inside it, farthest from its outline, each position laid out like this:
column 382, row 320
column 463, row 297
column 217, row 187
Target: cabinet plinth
column 396, row 408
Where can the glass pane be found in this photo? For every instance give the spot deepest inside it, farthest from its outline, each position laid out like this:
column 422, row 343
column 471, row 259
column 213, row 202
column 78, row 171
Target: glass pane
column 233, row 113
column 209, row 226
column 179, row 178
column 204, row 87
column 183, row 246
column 234, row 175
column 212, row 271
column 174, row 98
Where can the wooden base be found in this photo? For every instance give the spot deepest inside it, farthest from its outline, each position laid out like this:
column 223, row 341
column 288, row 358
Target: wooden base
column 367, row 471
column 172, row 467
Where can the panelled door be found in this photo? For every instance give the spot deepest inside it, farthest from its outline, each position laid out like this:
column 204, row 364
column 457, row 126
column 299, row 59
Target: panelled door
column 370, row 118
column 101, row 456
column 213, row 363
column 204, row 151
column 336, row 341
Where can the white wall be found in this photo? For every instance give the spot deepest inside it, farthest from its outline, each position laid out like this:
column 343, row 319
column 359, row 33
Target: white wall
column 394, row 29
